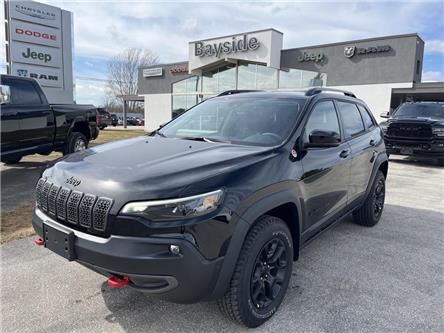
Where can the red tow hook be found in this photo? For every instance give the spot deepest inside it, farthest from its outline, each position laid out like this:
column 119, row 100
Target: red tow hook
column 39, row 241
column 117, row 282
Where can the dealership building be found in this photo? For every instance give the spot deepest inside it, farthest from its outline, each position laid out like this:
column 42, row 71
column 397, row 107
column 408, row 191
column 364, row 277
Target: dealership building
column 383, row 71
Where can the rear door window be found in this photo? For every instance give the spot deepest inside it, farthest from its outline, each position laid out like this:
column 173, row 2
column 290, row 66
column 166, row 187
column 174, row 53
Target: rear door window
column 23, row 92
column 368, row 120
column 351, row 119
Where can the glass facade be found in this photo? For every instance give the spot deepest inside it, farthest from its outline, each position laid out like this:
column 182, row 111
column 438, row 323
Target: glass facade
column 190, row 91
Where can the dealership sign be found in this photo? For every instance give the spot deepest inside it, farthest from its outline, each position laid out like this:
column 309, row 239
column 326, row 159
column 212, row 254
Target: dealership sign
column 150, row 72
column 49, row 77
column 35, row 12
column 37, row 55
column 316, row 57
column 39, row 46
column 36, row 34
column 350, row 51
column 235, row 44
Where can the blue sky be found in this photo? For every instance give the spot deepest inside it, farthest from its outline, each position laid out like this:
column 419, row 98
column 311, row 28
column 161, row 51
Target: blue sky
column 103, row 28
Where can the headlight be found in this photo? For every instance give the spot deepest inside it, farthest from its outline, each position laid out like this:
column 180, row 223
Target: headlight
column 175, row 209
column 438, row 131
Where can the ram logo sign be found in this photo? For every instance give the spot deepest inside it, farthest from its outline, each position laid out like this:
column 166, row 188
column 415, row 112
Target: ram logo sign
column 349, row 51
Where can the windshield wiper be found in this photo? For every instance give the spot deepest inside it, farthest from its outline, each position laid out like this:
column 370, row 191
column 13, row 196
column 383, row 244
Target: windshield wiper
column 203, row 138
column 159, row 133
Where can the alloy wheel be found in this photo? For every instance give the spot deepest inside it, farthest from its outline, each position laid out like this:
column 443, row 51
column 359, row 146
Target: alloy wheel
column 269, row 272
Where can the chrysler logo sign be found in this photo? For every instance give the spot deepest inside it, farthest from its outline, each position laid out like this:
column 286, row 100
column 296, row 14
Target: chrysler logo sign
column 235, row 45
column 350, row 51
column 33, row 12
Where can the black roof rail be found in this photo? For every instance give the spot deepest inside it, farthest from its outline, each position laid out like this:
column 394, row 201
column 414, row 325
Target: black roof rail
column 232, row 92
column 318, row 90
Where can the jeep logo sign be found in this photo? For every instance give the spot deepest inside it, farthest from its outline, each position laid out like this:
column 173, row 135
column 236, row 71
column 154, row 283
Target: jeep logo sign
column 37, row 55
column 235, row 45
column 350, row 51
column 316, row 57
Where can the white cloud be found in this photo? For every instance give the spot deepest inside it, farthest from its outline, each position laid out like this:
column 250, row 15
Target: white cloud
column 434, row 46
column 102, row 29
column 432, row 76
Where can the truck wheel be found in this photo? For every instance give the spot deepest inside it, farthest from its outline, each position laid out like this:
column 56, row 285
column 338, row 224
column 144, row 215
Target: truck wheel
column 370, row 212
column 261, row 275
column 76, row 142
column 11, row 160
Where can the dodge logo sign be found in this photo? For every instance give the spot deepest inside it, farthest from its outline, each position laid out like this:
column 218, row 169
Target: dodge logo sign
column 349, row 51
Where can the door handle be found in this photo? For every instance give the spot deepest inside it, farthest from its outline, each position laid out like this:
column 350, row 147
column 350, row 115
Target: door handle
column 372, row 142
column 344, row 153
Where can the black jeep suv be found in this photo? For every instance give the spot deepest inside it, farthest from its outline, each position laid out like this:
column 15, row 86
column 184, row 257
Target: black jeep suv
column 216, row 204
column 416, row 129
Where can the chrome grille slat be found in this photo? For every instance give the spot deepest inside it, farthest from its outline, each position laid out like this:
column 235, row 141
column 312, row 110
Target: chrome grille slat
column 62, row 198
column 44, row 196
column 85, row 210
column 52, row 198
column 100, row 213
column 38, row 191
column 72, row 207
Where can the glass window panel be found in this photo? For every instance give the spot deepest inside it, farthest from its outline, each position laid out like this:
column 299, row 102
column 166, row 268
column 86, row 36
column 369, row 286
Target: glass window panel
column 247, row 76
column 179, row 105
column 290, row 79
column 227, row 78
column 192, row 84
column 209, row 81
column 308, row 78
column 266, row 78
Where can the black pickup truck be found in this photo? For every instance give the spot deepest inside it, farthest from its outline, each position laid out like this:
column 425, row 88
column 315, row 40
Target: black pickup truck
column 416, row 129
column 29, row 124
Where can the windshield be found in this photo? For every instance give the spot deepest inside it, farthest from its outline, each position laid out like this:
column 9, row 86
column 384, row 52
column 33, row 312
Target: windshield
column 418, row 110
column 251, row 120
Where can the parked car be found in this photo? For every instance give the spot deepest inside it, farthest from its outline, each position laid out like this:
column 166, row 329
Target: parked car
column 221, row 211
column 140, row 122
column 131, row 121
column 29, row 124
column 114, row 120
column 103, row 118
column 416, row 129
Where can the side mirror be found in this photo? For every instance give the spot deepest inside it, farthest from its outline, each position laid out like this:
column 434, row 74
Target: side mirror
column 323, row 139
column 5, row 94
column 385, row 115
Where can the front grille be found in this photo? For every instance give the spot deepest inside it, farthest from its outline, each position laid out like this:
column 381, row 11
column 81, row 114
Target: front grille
column 76, row 208
column 409, row 130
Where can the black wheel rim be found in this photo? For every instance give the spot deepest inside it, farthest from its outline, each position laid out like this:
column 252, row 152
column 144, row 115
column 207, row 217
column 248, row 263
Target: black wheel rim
column 378, row 198
column 269, row 273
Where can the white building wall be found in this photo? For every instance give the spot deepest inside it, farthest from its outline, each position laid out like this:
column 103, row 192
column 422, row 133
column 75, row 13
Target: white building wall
column 377, row 96
column 157, row 110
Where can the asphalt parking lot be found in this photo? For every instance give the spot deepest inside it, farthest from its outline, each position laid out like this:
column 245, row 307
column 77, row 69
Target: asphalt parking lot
column 389, row 278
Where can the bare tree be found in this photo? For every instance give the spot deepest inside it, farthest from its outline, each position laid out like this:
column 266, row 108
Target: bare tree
column 123, row 72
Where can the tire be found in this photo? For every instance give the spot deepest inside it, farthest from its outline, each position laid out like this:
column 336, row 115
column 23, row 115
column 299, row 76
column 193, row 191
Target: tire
column 250, row 274
column 370, row 212
column 76, row 142
column 11, row 160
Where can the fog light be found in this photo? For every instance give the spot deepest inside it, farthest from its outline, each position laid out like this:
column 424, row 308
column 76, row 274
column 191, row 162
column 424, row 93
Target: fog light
column 174, row 249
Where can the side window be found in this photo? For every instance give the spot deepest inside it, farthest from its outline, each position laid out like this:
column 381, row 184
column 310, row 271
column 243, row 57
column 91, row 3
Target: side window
column 351, row 119
column 23, row 92
column 368, row 120
column 324, row 118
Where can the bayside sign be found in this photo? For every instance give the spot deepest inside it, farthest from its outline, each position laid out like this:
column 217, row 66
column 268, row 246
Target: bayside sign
column 234, row 45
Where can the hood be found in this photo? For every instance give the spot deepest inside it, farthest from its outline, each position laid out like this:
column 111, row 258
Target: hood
column 151, row 167
column 421, row 120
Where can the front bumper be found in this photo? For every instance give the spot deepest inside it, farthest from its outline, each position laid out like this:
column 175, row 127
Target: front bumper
column 184, row 278
column 419, row 148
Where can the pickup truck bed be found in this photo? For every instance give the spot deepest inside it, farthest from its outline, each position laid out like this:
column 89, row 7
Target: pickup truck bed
column 29, row 124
